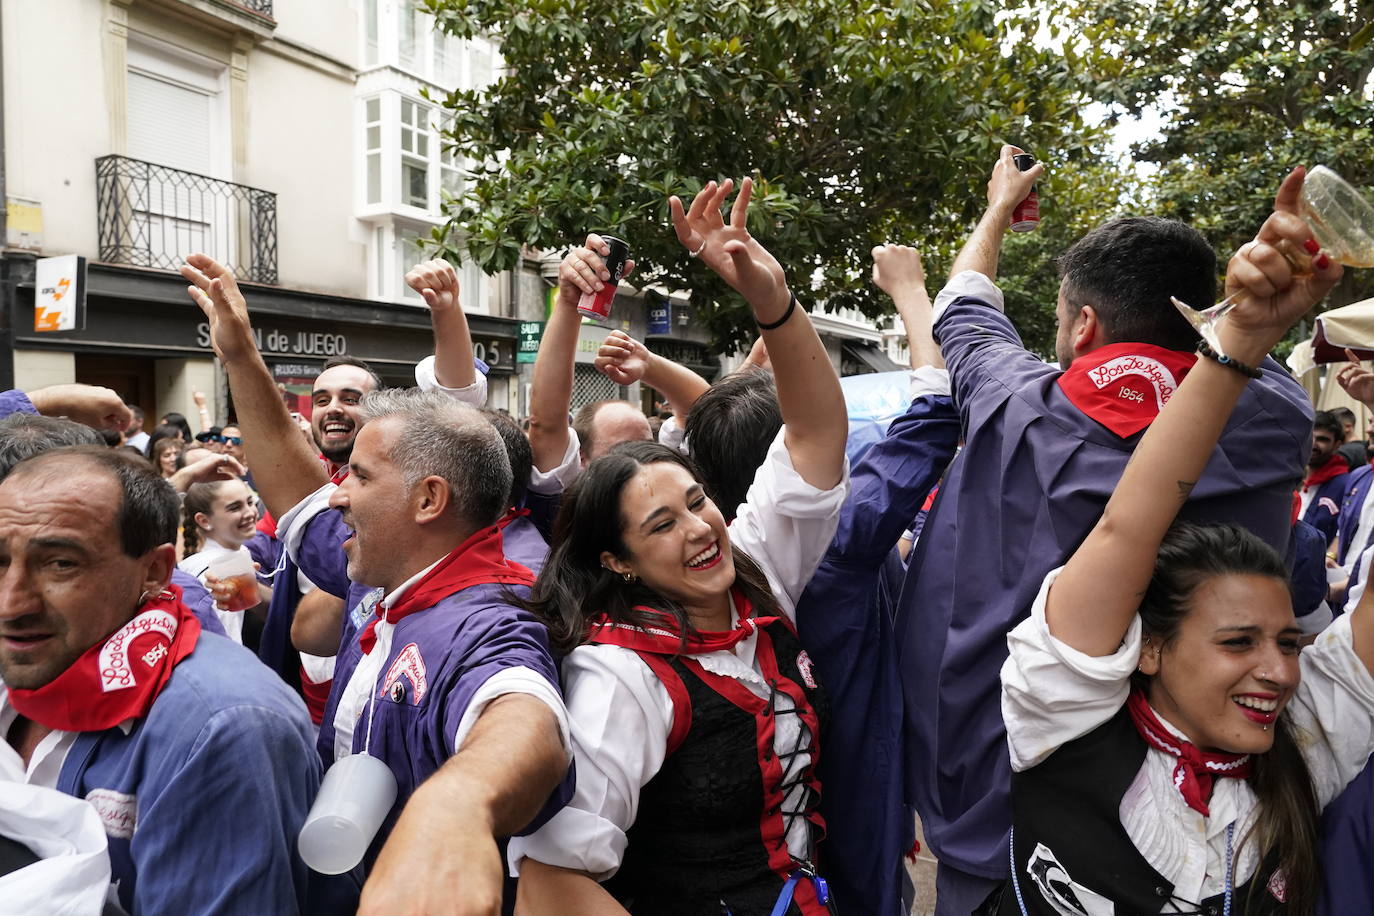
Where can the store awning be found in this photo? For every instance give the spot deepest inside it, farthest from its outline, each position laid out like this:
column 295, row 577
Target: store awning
column 868, row 357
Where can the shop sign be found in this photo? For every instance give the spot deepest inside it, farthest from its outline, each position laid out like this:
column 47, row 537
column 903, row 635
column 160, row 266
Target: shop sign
column 287, row 343
column 60, row 300
column 531, row 333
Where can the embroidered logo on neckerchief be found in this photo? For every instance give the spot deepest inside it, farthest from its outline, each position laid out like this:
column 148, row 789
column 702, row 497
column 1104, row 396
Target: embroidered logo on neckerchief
column 118, row 811
column 804, row 668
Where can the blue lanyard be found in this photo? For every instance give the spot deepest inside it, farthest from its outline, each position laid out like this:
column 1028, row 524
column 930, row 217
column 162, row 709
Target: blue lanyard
column 789, row 888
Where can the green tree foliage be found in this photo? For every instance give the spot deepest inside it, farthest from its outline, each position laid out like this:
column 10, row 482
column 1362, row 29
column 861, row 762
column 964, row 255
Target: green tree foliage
column 862, row 123
column 1248, row 89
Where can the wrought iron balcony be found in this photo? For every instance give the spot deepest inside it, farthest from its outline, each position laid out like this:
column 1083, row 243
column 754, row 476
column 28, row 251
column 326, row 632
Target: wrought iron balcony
column 262, row 7
column 150, row 215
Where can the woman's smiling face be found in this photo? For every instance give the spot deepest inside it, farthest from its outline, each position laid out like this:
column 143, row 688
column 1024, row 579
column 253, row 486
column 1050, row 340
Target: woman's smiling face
column 1232, row 666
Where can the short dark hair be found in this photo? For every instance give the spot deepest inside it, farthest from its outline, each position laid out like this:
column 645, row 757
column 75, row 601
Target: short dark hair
column 729, row 430
column 148, row 507
column 1344, row 415
column 517, row 450
column 377, row 383
column 1327, row 420
column 1127, row 269
column 136, row 411
column 175, row 420
column 573, row 584
column 24, row 435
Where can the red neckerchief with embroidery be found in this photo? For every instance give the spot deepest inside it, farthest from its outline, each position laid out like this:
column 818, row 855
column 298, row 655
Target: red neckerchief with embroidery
column 119, row 677
column 1334, row 467
column 1195, row 770
column 1125, row 386
column 664, row 637
column 480, row 560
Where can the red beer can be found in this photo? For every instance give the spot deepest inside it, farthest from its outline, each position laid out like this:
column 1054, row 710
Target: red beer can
column 1026, row 216
column 598, row 305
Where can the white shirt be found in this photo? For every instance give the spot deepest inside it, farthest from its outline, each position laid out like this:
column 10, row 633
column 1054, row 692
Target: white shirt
column 45, row 763
column 621, row 713
column 198, row 565
column 474, row 395
column 1363, row 528
column 1053, row 694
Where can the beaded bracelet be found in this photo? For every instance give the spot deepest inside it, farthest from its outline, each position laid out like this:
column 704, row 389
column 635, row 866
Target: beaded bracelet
column 773, row 325
column 1204, row 350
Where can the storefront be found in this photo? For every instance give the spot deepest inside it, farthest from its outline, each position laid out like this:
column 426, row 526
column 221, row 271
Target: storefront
column 145, row 339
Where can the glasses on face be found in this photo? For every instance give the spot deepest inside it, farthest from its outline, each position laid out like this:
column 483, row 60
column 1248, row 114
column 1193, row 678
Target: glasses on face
column 231, row 440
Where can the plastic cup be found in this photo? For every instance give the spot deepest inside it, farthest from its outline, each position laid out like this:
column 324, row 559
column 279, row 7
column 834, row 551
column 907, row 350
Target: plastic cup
column 354, row 799
column 236, row 570
column 1340, row 216
column 598, row 305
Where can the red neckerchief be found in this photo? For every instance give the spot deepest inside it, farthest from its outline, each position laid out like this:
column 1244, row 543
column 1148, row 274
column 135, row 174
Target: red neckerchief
column 665, row 637
column 267, row 524
column 1334, row 467
column 336, row 474
column 1195, row 770
column 480, row 560
column 1125, row 386
column 511, row 515
column 119, row 678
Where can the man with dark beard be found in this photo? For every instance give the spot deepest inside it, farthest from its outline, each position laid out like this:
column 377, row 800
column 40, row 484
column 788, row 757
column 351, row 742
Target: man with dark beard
column 334, row 407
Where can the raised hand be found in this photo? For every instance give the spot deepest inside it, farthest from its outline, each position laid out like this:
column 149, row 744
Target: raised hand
column 1008, row 185
column 216, row 291
column 199, row 398
column 1273, row 293
column 583, row 270
column 1357, row 381
column 211, row 467
column 437, row 283
column 728, row 248
column 622, row 359
column 897, row 270
column 91, row 405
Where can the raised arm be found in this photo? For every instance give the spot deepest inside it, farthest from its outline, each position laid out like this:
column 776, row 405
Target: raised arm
column 285, row 470
column 442, row 855
column 1007, row 187
column 437, row 283
column 897, row 271
column 1095, row 598
column 809, row 392
column 625, row 361
column 582, row 271
column 202, row 410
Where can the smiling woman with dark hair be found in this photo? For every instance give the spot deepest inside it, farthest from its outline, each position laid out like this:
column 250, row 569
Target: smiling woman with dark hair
column 696, row 715
column 1171, row 744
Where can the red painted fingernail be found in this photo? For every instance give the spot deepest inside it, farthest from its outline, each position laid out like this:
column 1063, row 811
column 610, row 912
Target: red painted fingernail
column 1311, row 246
column 1323, row 262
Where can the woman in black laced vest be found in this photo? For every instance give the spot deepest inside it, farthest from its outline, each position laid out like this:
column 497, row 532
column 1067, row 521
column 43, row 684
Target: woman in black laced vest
column 696, row 715
column 1171, row 745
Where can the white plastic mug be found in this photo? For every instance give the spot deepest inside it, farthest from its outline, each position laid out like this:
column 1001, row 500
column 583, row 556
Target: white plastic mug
column 354, row 799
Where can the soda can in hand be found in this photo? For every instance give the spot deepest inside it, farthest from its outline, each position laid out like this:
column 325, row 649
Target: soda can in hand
column 1026, row 216
column 598, row 305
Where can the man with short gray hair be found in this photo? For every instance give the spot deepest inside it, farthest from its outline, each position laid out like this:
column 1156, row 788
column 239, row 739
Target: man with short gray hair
column 438, row 672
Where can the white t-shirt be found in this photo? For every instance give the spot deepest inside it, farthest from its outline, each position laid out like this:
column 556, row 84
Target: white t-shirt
column 198, row 564
column 621, row 713
column 1053, row 694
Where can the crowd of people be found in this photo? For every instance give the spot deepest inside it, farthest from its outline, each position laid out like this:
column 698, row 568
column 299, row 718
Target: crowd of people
column 1102, row 625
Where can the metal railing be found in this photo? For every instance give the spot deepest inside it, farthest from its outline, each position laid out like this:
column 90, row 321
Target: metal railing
column 261, row 7
column 150, row 215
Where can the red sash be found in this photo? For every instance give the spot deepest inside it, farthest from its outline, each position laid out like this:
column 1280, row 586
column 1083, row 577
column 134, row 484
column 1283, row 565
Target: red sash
column 119, row 678
column 480, row 560
column 1125, row 386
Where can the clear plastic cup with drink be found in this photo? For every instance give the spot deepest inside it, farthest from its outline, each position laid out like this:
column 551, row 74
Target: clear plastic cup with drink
column 235, row 571
column 355, row 796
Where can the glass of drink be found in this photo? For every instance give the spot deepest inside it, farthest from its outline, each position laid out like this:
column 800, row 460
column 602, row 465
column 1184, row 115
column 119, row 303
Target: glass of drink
column 1342, row 222
column 235, row 572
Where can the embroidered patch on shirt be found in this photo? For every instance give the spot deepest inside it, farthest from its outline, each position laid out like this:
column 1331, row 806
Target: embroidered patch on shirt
column 118, row 811
column 410, row 665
